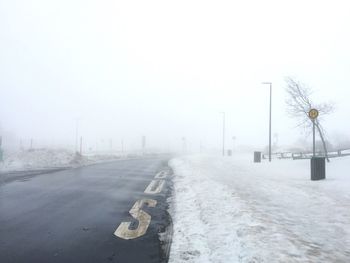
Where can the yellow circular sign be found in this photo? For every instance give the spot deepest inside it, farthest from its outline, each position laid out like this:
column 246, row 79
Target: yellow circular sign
column 313, row 114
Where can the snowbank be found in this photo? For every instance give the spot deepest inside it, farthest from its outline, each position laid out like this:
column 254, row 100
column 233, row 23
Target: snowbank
column 232, row 210
column 48, row 158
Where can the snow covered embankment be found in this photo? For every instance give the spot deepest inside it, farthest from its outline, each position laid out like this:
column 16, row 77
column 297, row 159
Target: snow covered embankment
column 47, row 159
column 232, row 210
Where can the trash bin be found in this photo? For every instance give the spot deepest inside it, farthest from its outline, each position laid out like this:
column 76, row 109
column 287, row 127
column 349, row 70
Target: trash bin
column 257, row 157
column 318, row 168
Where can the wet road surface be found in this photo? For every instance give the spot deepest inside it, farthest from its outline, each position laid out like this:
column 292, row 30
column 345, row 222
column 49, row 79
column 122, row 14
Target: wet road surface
column 71, row 215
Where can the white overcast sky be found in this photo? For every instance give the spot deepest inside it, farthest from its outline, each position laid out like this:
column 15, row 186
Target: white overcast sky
column 165, row 69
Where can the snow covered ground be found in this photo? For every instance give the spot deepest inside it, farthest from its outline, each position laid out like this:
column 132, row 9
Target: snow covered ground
column 232, row 210
column 48, row 158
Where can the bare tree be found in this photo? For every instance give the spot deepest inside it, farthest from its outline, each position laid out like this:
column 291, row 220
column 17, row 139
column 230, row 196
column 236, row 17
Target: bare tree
column 299, row 104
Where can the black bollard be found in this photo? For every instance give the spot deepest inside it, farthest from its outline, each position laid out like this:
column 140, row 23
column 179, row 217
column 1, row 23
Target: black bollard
column 318, row 168
column 257, row 157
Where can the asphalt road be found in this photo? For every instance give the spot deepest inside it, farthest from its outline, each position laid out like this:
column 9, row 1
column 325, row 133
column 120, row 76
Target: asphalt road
column 72, row 215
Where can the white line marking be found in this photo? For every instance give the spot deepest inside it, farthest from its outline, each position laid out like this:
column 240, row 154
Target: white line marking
column 161, row 175
column 144, row 219
column 155, row 187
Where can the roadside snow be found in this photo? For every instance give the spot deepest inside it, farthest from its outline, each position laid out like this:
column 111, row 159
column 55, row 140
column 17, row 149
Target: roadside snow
column 232, row 210
column 48, row 158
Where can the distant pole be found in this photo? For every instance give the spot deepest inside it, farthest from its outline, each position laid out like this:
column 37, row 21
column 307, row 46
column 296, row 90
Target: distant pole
column 269, row 83
column 223, row 133
column 76, row 134
column 1, row 152
column 270, row 122
column 31, row 144
column 233, row 143
column 81, row 145
column 143, row 144
column 184, row 145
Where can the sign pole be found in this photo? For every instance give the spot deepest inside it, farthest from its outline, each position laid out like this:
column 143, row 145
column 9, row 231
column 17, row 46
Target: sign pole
column 313, row 139
column 313, row 114
column 318, row 164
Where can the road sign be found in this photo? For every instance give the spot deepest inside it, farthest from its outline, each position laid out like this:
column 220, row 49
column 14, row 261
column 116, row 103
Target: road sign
column 313, row 114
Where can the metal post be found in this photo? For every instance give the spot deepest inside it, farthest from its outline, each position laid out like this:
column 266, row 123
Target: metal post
column 233, row 143
column 184, row 145
column 223, row 133
column 76, row 134
column 313, row 139
column 270, row 122
column 81, row 145
column 1, row 151
column 270, row 118
column 143, row 144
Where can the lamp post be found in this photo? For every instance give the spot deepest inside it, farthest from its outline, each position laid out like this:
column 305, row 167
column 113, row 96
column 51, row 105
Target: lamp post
column 76, row 134
column 233, row 143
column 77, row 120
column 223, row 133
column 184, row 145
column 269, row 83
column 1, row 152
column 143, row 145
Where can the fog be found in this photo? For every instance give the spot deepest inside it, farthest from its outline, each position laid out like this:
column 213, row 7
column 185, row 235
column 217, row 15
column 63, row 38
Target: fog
column 166, row 69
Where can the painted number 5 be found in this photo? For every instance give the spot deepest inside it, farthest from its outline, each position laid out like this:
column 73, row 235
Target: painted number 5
column 141, row 216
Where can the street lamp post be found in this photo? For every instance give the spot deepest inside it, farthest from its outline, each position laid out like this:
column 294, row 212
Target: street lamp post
column 233, row 143
column 184, row 145
column 223, row 133
column 76, row 134
column 269, row 83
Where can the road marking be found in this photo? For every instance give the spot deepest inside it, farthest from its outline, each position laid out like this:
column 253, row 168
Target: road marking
column 161, row 175
column 155, row 187
column 144, row 219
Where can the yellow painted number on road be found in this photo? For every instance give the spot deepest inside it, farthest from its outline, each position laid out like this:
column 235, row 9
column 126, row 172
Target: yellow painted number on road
column 144, row 219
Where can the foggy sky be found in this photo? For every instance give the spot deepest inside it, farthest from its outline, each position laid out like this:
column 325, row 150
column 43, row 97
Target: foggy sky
column 166, row 69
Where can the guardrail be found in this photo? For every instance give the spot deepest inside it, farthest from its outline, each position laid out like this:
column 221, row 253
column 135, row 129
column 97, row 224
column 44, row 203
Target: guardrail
column 307, row 155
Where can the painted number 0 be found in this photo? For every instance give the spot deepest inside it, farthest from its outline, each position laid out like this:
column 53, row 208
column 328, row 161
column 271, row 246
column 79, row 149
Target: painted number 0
column 141, row 216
